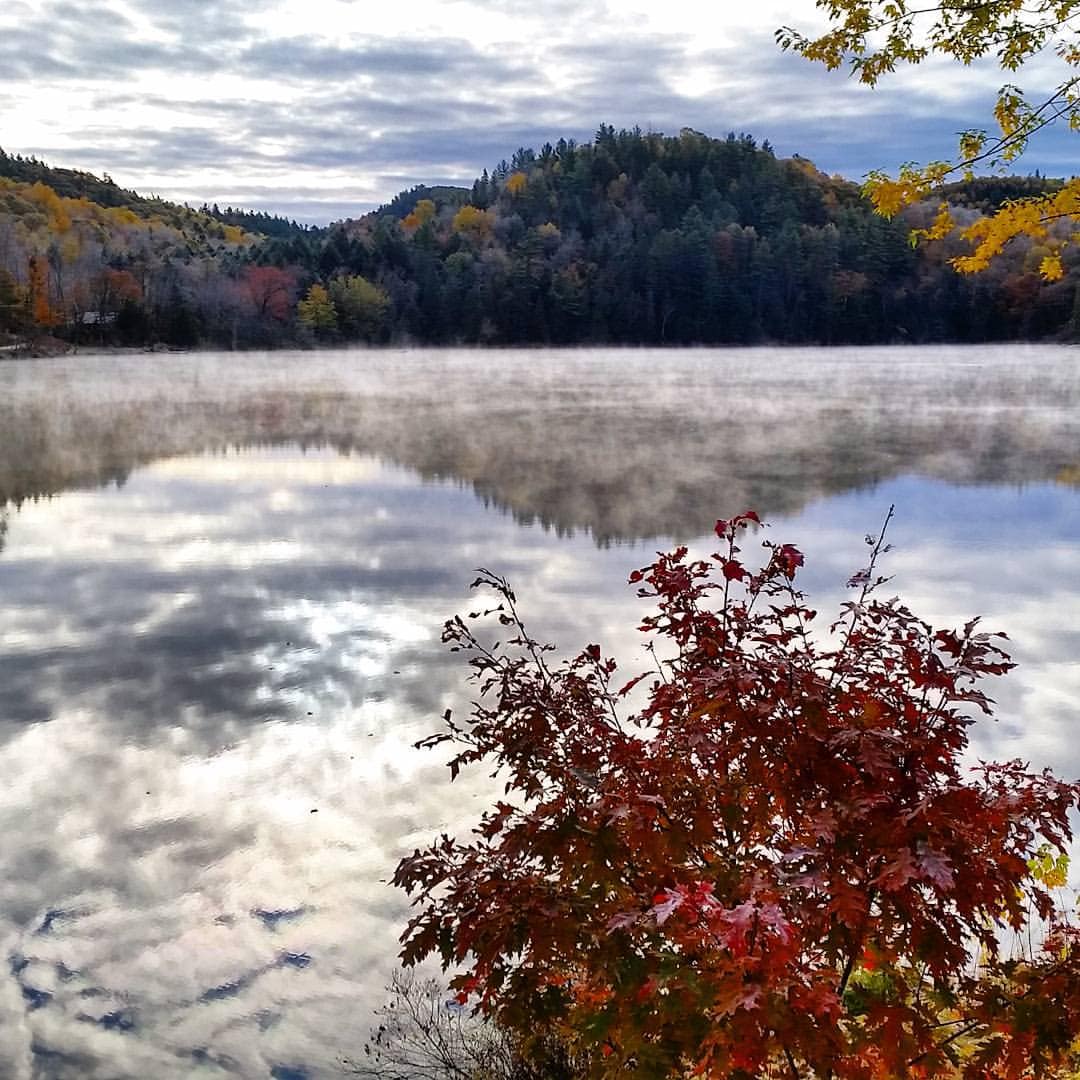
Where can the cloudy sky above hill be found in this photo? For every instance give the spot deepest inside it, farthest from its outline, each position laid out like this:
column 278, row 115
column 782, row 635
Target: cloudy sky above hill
column 321, row 109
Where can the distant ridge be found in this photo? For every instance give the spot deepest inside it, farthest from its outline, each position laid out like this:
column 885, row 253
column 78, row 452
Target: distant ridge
column 103, row 190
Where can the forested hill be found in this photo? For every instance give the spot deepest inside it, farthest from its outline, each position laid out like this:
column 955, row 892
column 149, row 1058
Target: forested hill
column 104, row 191
column 638, row 238
column 632, row 238
column 73, row 183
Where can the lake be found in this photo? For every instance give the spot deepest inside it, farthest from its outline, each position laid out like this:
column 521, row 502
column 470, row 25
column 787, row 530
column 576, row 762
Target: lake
column 222, row 582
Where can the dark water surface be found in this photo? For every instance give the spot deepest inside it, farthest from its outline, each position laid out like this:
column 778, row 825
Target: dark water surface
column 222, row 580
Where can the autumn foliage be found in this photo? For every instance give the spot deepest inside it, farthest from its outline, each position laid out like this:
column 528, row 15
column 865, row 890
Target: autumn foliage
column 782, row 863
column 874, row 37
column 41, row 310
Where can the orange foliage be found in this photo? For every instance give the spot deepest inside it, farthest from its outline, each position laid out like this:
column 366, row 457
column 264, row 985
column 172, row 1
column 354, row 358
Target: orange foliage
column 116, row 287
column 41, row 310
column 52, row 204
column 422, row 213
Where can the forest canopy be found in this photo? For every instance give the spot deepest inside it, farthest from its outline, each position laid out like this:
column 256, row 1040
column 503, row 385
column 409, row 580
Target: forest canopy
column 631, row 238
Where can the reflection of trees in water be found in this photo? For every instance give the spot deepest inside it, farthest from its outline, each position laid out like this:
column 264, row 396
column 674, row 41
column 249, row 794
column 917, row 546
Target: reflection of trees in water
column 610, row 444
column 661, row 449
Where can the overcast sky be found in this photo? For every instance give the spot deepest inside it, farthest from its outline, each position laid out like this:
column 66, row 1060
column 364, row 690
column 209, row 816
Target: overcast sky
column 321, row 109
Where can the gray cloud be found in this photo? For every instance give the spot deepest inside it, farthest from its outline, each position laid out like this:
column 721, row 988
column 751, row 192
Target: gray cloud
column 227, row 21
column 87, row 45
column 397, row 111
column 399, row 61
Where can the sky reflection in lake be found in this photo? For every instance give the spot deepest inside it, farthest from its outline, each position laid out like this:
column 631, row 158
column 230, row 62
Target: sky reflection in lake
column 212, row 674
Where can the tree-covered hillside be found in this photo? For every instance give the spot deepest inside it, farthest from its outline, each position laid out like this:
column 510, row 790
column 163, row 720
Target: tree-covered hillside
column 633, row 238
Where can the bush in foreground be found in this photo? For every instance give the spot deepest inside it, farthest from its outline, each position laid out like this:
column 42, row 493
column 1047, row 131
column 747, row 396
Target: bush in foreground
column 779, row 865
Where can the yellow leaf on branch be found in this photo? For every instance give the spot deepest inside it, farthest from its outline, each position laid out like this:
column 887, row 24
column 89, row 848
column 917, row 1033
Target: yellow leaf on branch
column 872, row 37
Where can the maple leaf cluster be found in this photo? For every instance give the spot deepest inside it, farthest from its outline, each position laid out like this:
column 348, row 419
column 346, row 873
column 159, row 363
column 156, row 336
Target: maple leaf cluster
column 779, row 865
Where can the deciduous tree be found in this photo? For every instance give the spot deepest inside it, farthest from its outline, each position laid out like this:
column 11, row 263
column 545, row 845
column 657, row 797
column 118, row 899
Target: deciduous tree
column 12, row 302
column 272, row 291
column 42, row 313
column 361, row 306
column 469, row 221
column 874, row 36
column 782, row 864
column 317, row 312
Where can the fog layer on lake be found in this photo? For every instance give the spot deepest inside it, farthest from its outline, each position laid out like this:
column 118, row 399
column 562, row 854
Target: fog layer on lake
column 221, row 588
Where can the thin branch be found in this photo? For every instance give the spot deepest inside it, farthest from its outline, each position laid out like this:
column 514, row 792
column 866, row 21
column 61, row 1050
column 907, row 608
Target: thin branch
column 791, row 1063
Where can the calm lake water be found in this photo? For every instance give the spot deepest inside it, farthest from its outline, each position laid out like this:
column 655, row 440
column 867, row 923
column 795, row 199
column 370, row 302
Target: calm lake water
column 222, row 581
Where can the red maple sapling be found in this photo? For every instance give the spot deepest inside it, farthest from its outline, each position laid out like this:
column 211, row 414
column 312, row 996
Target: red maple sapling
column 780, row 864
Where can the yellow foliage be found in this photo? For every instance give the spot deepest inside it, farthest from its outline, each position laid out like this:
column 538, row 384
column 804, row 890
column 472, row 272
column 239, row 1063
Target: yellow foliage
column 1051, row 268
column 890, row 196
column 989, row 235
column 516, row 183
column 361, row 305
column 69, row 249
column 872, row 37
column 941, row 226
column 316, row 311
column 1049, row 869
column 121, row 215
column 233, row 234
column 471, row 221
column 52, row 204
column 1024, row 217
column 421, row 214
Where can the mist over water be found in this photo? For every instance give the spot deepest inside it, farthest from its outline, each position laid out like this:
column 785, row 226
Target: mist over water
column 222, row 581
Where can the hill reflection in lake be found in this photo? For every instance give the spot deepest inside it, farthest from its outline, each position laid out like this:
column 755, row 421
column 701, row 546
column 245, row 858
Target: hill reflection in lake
column 623, row 444
column 196, row 660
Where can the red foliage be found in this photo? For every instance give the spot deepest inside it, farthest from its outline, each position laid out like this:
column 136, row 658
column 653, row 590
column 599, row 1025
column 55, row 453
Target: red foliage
column 271, row 290
column 779, row 863
column 117, row 287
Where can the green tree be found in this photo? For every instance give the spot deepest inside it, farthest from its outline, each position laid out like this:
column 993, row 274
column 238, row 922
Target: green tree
column 361, row 306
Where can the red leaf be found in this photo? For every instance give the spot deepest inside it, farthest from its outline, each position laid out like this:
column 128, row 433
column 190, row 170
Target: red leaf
column 790, row 559
column 733, row 570
column 666, row 904
column 936, row 867
column 898, row 872
column 793, row 804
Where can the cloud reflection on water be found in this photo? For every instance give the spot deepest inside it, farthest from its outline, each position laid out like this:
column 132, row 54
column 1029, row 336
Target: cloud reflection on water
column 172, row 722
column 195, row 661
